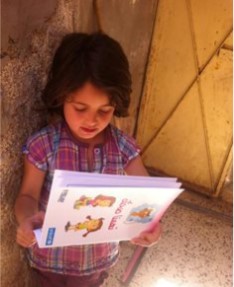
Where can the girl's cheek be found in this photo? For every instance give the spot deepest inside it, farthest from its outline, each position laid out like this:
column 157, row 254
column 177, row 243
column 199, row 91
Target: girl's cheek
column 109, row 116
column 104, row 118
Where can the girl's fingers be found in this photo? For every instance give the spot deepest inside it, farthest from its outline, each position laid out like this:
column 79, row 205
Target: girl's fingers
column 25, row 235
column 148, row 238
column 24, row 240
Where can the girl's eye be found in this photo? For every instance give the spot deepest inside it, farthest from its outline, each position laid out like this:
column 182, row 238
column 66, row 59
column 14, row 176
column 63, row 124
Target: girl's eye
column 105, row 111
column 80, row 110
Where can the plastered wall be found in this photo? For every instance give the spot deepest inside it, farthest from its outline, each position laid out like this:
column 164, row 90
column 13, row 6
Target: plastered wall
column 30, row 33
column 26, row 50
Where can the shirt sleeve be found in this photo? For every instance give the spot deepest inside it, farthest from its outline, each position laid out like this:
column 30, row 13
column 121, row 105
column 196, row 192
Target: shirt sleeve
column 128, row 147
column 38, row 149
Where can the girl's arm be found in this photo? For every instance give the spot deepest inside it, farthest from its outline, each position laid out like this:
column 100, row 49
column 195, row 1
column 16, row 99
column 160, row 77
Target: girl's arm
column 136, row 167
column 26, row 205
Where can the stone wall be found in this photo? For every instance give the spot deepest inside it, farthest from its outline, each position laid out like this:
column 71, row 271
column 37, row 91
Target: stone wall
column 30, row 33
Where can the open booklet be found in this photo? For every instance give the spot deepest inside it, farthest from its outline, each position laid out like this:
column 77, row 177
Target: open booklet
column 87, row 208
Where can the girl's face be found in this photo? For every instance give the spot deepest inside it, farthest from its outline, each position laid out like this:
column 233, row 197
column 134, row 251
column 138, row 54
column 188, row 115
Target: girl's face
column 87, row 112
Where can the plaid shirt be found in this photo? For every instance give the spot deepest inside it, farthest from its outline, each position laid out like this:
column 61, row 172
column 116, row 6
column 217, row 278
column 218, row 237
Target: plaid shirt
column 55, row 148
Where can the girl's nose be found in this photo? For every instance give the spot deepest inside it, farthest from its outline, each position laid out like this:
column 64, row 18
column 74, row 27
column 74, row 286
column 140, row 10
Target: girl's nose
column 92, row 119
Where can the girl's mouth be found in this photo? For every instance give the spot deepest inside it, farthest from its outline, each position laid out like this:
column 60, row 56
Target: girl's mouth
column 87, row 130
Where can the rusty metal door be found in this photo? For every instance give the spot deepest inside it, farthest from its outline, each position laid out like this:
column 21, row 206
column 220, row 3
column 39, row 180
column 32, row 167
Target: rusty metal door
column 185, row 119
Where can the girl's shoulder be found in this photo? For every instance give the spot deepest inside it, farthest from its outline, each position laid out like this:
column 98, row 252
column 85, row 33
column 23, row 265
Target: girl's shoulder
column 42, row 141
column 39, row 146
column 124, row 141
column 46, row 133
column 120, row 135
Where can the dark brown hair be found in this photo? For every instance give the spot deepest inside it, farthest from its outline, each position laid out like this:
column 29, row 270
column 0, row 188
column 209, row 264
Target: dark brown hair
column 94, row 58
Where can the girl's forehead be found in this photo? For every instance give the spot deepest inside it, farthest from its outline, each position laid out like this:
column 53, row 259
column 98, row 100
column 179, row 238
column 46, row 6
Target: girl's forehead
column 89, row 94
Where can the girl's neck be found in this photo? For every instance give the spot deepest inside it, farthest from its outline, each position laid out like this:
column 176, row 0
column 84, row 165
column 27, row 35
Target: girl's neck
column 98, row 139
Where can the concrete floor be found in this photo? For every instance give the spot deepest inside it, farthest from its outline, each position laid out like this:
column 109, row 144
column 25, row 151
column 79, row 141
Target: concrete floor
column 195, row 249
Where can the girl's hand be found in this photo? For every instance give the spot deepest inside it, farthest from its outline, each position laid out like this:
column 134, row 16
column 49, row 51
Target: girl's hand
column 24, row 234
column 148, row 238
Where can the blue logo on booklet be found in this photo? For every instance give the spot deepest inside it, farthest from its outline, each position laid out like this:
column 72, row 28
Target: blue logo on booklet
column 50, row 236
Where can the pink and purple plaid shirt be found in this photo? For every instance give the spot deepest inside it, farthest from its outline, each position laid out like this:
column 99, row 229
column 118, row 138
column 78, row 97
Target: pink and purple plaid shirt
column 54, row 147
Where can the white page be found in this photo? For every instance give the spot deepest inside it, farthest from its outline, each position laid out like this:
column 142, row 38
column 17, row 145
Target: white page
column 116, row 227
column 140, row 191
column 70, row 178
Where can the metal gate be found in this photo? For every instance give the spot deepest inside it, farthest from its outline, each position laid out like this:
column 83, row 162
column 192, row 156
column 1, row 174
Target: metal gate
column 185, row 119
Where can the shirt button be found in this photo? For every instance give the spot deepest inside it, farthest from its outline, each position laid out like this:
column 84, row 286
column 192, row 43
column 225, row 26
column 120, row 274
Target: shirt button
column 97, row 151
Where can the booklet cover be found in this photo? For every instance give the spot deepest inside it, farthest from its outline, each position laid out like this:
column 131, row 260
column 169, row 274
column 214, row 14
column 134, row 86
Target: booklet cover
column 86, row 208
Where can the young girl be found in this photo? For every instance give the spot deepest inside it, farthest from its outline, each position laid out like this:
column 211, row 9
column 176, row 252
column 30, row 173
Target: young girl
column 88, row 83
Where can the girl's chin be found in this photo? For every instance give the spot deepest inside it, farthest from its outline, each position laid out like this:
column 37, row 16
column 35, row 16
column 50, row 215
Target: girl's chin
column 84, row 138
column 89, row 137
